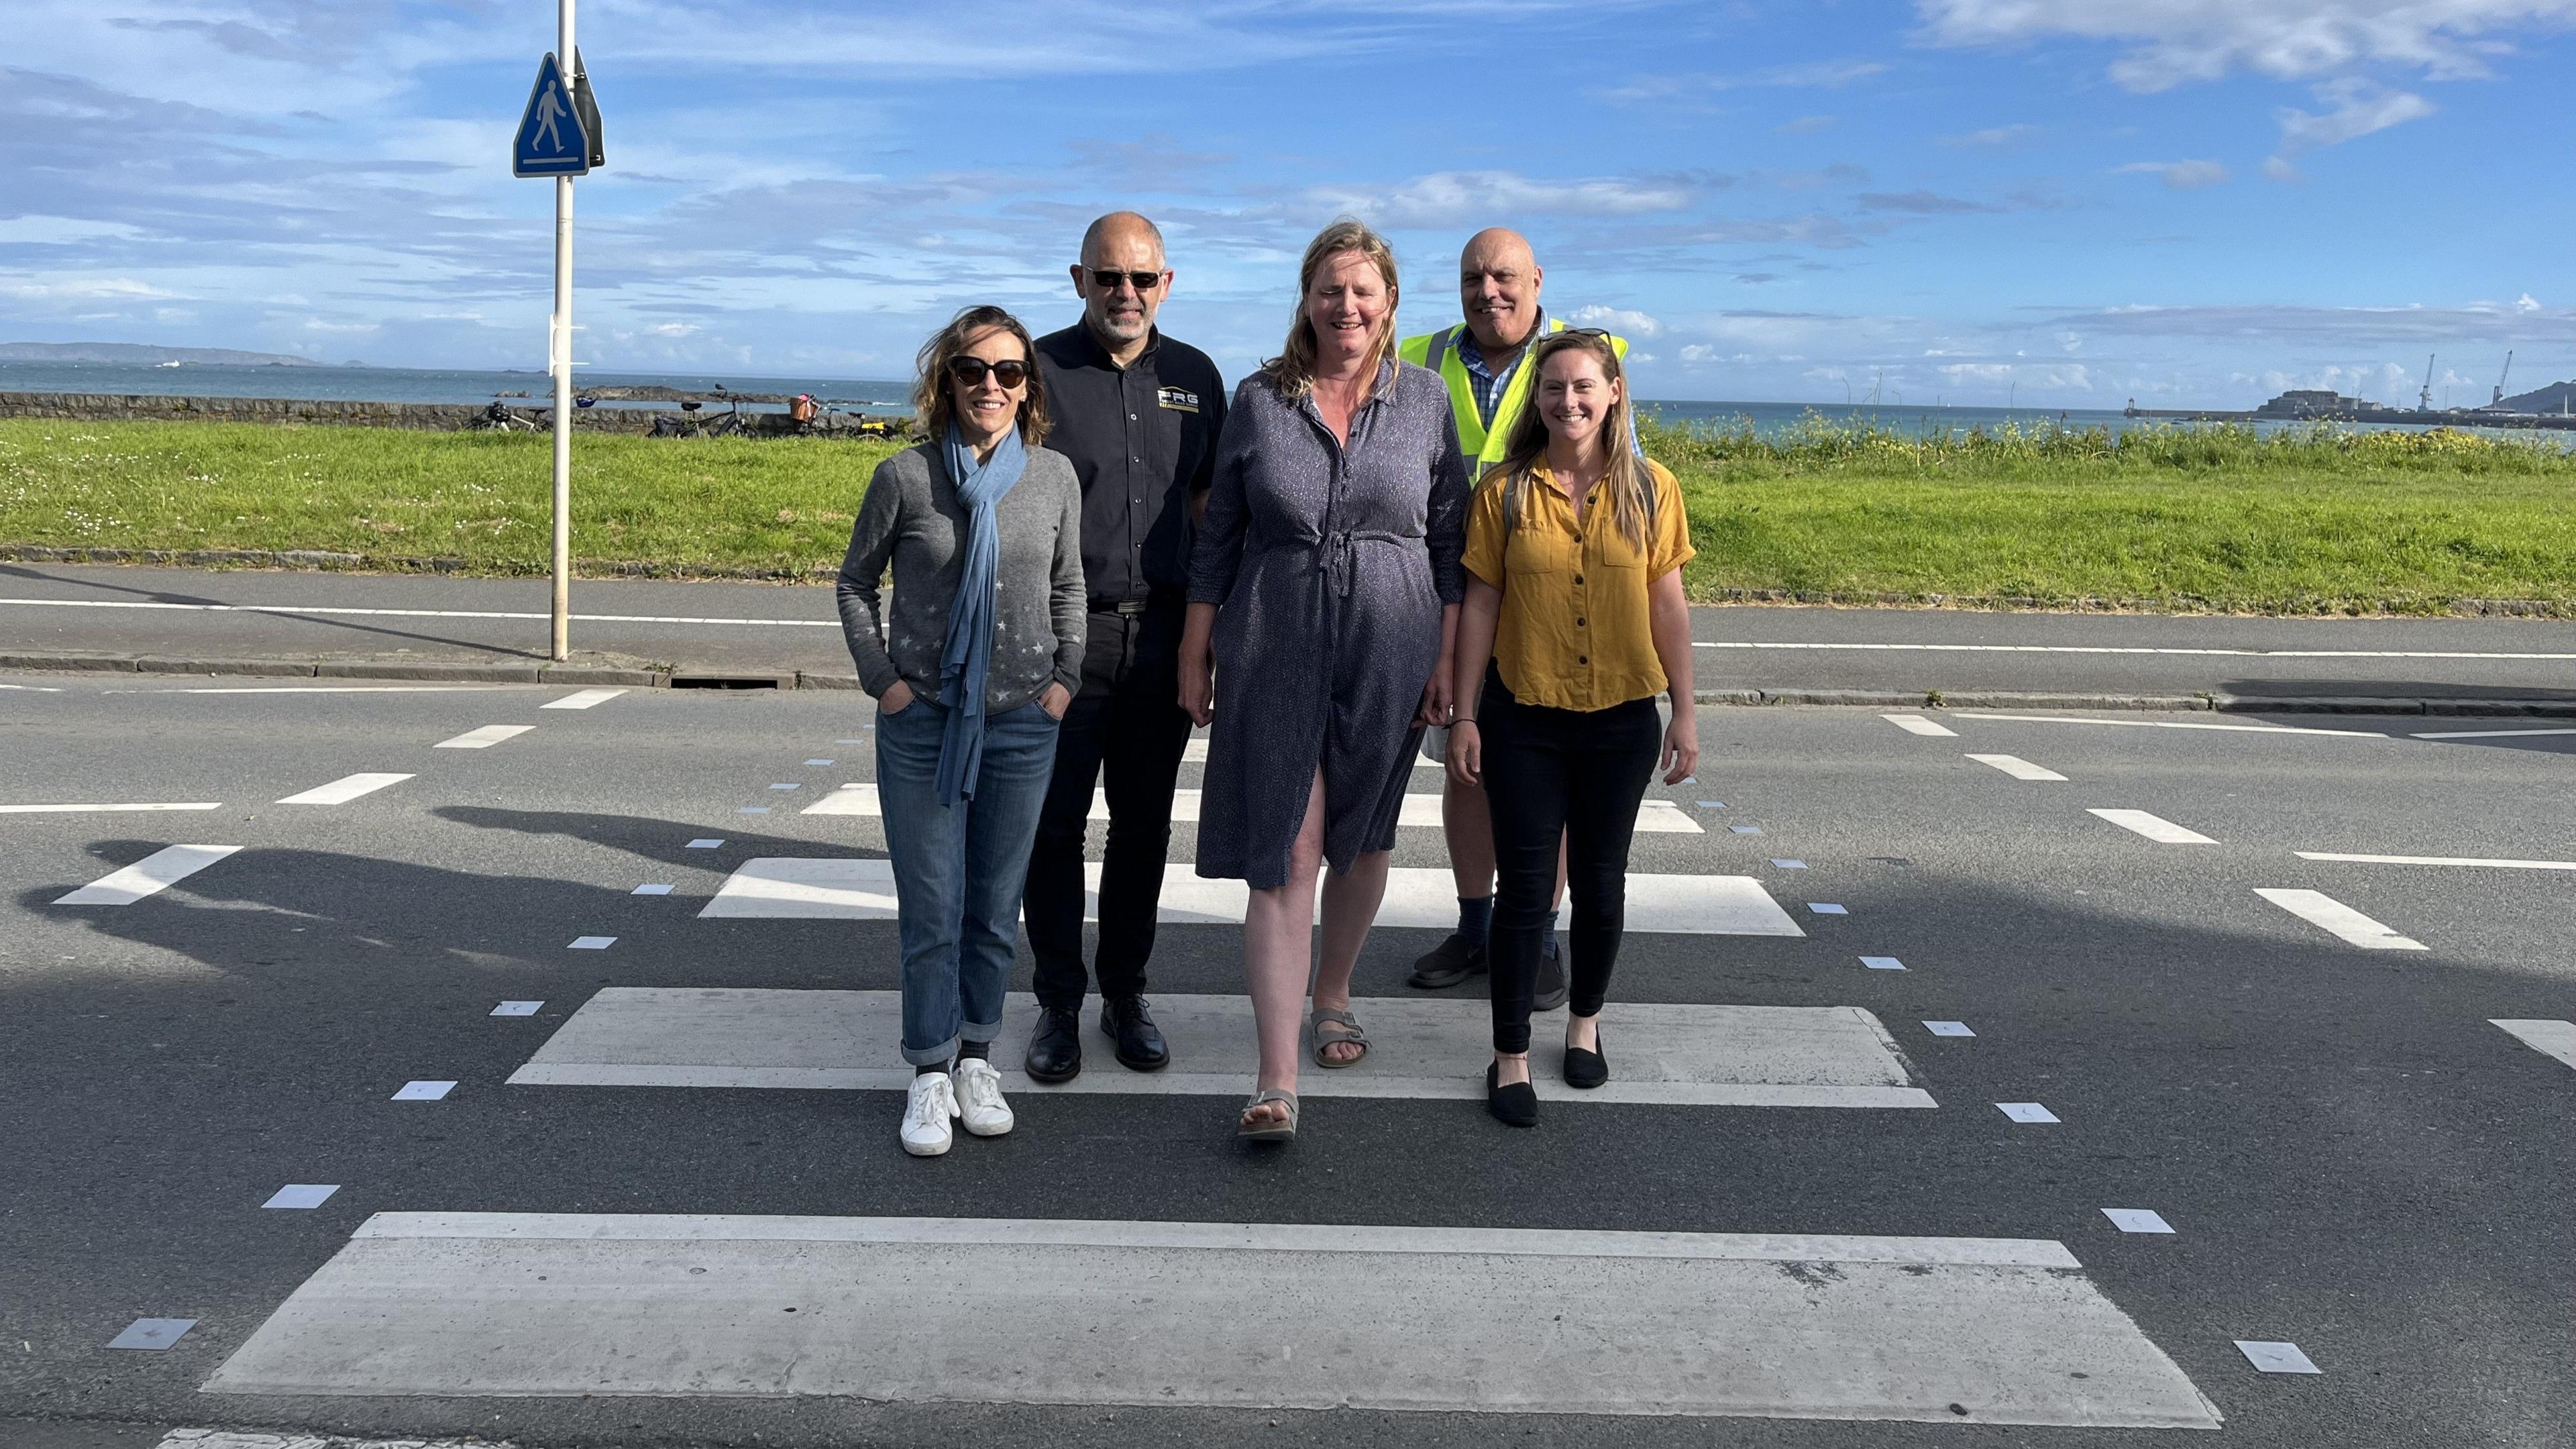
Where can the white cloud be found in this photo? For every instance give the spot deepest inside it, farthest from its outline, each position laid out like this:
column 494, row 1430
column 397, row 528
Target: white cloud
column 1619, row 320
column 63, row 231
column 120, row 289
column 1994, row 135
column 1476, row 198
column 2179, row 175
column 2171, row 42
column 1804, row 126
column 2525, row 303
column 2359, row 108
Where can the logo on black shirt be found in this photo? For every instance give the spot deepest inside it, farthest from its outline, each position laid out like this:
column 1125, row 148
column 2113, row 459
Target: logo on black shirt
column 1178, row 399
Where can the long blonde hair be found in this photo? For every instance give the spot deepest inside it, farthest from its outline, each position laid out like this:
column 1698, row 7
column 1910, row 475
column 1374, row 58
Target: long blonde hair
column 1292, row 372
column 1627, row 484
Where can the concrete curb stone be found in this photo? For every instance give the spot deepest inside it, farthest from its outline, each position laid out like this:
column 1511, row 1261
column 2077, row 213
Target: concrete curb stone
column 461, row 673
column 267, row 668
column 68, row 663
column 806, row 679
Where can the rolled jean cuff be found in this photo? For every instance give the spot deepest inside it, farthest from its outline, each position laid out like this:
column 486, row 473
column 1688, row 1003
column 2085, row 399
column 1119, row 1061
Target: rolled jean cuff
column 982, row 1032
column 931, row 1056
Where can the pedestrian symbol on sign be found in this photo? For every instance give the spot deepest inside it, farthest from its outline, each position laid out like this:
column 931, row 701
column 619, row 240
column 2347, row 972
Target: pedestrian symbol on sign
column 553, row 138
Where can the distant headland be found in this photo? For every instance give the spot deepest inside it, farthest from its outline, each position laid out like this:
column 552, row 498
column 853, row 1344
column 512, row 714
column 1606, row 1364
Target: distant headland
column 137, row 354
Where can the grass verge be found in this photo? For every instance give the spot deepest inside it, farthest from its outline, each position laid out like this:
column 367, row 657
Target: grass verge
column 2172, row 518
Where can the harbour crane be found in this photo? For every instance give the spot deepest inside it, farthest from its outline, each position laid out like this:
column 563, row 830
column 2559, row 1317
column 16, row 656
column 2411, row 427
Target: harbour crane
column 2424, row 399
column 2498, row 399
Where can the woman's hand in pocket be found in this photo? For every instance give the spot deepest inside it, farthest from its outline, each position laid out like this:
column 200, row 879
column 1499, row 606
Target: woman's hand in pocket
column 1055, row 699
column 896, row 699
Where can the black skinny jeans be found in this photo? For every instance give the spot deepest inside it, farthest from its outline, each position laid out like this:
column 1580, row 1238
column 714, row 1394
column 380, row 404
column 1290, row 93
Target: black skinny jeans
column 1127, row 724
column 1550, row 774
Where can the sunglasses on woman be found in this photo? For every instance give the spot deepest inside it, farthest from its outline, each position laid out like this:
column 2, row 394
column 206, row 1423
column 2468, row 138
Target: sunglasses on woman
column 969, row 371
column 1141, row 281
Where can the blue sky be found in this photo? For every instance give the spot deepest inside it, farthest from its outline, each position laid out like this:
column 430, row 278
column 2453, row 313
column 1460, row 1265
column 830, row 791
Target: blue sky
column 2064, row 202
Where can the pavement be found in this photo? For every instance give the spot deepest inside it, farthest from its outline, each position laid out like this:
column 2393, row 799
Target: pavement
column 336, row 624
column 666, row 1206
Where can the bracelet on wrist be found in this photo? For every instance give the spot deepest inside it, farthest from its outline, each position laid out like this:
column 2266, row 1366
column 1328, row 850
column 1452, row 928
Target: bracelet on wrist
column 1453, row 724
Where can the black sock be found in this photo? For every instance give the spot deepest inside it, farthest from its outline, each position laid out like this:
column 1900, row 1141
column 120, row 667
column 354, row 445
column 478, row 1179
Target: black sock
column 981, row 1051
column 1475, row 913
column 929, row 1069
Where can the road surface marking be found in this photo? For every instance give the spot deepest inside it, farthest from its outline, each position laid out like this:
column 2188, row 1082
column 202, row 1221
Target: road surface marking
column 1827, row 908
column 704, row 844
column 424, row 1091
column 346, row 612
column 517, row 1008
column 2276, row 1358
column 1732, row 1056
column 1654, row 816
column 2322, row 910
column 1948, row 1028
column 147, row 876
column 2031, row 1112
column 1195, row 753
column 329, row 689
column 2017, row 767
column 484, row 738
column 832, row 888
column 591, row 943
column 2070, row 649
column 2550, row 1038
column 1444, row 1320
column 2153, row 827
column 651, row 890
column 2439, row 860
column 2137, row 1220
column 239, row 1439
column 583, row 700
column 35, row 688
column 1882, row 963
column 343, row 790
column 2488, row 734
column 299, row 1195
column 82, row 809
column 152, row 1334
column 1915, row 724
column 2181, row 724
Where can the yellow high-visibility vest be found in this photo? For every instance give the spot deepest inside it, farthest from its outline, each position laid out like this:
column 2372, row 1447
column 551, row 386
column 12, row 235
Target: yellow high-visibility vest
column 1439, row 352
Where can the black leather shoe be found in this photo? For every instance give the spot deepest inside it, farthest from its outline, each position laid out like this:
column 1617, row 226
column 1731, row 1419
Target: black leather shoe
column 1513, row 1106
column 1447, row 964
column 1055, row 1048
column 1587, row 1069
column 1551, row 978
column 1124, row 1020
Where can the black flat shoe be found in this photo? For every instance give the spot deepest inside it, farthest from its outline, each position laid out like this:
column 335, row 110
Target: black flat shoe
column 1447, row 964
column 1586, row 1069
column 1513, row 1106
column 1055, row 1048
column 1141, row 1048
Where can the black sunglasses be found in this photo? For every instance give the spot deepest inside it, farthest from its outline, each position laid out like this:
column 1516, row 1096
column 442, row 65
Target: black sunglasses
column 1141, row 281
column 969, row 371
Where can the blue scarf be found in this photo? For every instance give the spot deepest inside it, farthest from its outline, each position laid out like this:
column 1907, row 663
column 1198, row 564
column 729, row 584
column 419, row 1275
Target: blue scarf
column 968, row 658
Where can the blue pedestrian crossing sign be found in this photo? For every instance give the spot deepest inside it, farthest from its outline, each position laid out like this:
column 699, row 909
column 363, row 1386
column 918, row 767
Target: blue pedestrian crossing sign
column 553, row 139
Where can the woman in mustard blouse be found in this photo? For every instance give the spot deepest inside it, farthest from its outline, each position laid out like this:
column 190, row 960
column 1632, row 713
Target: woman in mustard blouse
column 1574, row 621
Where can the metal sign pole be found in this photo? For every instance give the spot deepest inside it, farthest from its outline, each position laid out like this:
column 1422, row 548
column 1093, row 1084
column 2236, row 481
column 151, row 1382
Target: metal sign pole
column 560, row 360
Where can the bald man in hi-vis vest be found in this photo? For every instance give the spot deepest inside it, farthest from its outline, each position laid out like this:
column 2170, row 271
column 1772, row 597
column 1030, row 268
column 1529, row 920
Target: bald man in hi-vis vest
column 1480, row 359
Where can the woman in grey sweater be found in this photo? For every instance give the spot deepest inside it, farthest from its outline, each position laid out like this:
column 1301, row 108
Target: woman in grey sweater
column 972, row 664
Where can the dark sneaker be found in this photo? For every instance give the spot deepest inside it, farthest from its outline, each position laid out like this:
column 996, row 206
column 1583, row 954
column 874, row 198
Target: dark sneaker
column 1124, row 1020
column 1551, row 978
column 1055, row 1048
column 1447, row 964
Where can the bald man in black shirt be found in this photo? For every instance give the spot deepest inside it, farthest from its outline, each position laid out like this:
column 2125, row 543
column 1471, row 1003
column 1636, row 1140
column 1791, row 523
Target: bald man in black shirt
column 1138, row 413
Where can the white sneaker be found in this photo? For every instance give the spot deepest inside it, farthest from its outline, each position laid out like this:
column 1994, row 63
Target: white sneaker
column 926, row 1114
column 979, row 1098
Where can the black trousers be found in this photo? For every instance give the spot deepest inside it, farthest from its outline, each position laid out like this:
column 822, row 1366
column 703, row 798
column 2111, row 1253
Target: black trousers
column 1127, row 725
column 1574, row 775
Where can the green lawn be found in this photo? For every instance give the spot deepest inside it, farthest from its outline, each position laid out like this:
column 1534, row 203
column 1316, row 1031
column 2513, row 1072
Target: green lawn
column 2206, row 518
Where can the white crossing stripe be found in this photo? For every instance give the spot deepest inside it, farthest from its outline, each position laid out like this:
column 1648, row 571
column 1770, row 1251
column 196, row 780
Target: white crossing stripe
column 2440, row 860
column 1446, row 1320
column 147, row 876
column 84, row 809
column 2322, row 910
column 1195, row 753
column 1654, row 816
column 343, row 790
column 241, row 1439
column 2551, row 1038
column 2153, row 827
column 484, row 738
column 2178, row 724
column 1915, row 724
column 2017, row 767
column 583, row 700
column 1727, row 1056
column 833, row 888
column 2488, row 734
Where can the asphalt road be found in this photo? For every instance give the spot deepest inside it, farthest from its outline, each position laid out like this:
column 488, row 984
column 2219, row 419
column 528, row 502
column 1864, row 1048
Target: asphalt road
column 2353, row 1159
column 751, row 628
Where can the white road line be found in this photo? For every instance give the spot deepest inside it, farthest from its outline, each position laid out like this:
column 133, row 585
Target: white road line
column 1423, row 1319
column 239, row 1439
column 1915, row 724
column 2017, row 767
column 344, row 790
column 331, row 689
column 2550, row 1038
column 81, row 809
column 2440, row 860
column 148, row 876
column 1195, row 753
column 34, row 688
column 484, row 738
column 2083, row 649
column 1734, row 1056
column 343, row 612
column 2153, row 827
column 583, row 700
column 2324, row 911
column 2486, row 734
column 1421, row 811
column 834, row 888
column 2179, row 724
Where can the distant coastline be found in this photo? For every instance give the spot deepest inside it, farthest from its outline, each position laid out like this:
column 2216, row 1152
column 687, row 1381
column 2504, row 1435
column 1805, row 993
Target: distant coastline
column 137, row 354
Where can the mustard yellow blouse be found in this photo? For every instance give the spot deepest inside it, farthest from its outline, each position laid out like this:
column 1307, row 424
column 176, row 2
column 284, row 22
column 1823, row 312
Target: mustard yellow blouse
column 1574, row 632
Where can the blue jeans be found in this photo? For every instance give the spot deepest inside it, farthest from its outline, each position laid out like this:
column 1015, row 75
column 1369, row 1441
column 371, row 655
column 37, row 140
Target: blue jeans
column 958, row 869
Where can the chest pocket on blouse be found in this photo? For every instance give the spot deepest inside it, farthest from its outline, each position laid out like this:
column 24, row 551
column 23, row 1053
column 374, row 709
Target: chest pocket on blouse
column 1538, row 549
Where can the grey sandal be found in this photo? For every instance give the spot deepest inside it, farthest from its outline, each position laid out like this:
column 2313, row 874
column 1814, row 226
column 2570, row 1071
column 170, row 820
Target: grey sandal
column 1350, row 1032
column 1279, row 1131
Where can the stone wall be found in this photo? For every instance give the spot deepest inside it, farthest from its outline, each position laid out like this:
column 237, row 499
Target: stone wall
column 441, row 417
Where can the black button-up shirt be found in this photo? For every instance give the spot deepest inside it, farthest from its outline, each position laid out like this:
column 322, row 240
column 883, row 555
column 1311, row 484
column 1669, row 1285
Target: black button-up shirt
column 1143, row 441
